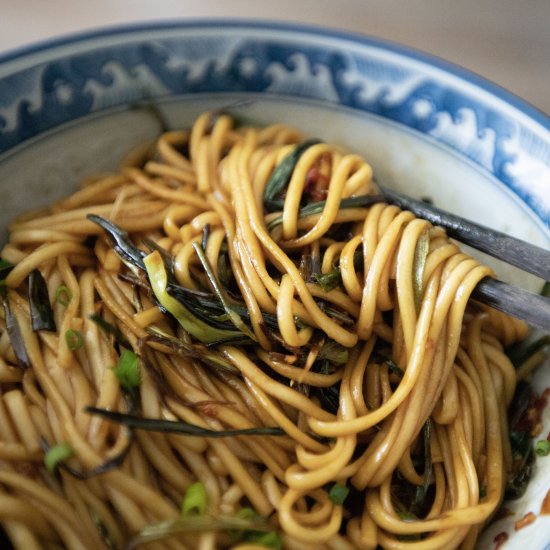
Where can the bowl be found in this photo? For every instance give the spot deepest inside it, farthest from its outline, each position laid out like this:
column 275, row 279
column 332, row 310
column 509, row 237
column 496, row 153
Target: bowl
column 76, row 105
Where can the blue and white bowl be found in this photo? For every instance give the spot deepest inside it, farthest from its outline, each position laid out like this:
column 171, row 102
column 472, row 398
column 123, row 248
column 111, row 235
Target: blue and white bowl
column 74, row 106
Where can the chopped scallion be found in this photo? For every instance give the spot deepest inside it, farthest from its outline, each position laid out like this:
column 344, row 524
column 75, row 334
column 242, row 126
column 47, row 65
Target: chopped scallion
column 74, row 339
column 56, row 454
column 127, row 370
column 338, row 494
column 542, row 447
column 195, row 501
column 63, row 295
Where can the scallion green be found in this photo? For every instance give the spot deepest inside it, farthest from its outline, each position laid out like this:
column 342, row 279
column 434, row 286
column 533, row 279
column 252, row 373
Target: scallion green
column 338, row 494
column 127, row 370
column 542, row 447
column 56, row 454
column 74, row 339
column 195, row 501
column 63, row 295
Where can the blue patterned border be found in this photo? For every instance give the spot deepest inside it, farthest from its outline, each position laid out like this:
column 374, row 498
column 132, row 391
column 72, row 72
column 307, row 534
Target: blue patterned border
column 64, row 80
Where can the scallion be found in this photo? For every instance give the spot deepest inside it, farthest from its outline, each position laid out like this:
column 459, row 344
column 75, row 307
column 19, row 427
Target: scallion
column 56, row 454
column 127, row 370
column 174, row 426
column 338, row 494
column 63, row 295
column 74, row 339
column 110, row 330
column 419, row 262
column 195, row 501
column 194, row 326
column 281, row 175
column 542, row 447
column 128, row 252
column 328, row 281
column 233, row 316
column 39, row 302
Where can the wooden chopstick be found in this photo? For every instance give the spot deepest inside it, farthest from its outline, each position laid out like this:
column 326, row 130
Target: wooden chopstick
column 520, row 303
column 526, row 256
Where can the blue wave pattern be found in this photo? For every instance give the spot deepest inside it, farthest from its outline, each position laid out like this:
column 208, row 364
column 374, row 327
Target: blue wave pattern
column 42, row 97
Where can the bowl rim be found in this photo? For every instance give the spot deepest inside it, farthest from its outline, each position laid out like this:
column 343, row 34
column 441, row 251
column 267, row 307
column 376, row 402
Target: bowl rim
column 362, row 39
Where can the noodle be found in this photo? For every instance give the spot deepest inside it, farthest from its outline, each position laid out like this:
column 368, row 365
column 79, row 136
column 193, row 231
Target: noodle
column 347, row 325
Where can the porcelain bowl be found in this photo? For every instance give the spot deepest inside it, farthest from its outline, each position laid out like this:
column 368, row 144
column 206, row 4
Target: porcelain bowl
column 74, row 106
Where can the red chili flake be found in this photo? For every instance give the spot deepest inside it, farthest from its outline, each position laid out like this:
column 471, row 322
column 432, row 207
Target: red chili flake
column 531, row 421
column 526, row 520
column 500, row 539
column 209, row 410
column 545, row 506
column 316, row 185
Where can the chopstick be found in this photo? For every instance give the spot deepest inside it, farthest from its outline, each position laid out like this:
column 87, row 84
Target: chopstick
column 520, row 303
column 526, row 256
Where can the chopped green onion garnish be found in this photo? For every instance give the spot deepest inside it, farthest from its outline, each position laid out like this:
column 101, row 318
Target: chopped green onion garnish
column 482, row 491
column 74, row 339
column 338, row 494
column 195, row 500
column 57, row 454
column 63, row 295
column 542, row 447
column 127, row 370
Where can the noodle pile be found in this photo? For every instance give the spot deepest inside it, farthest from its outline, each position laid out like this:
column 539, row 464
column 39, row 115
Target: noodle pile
column 351, row 330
